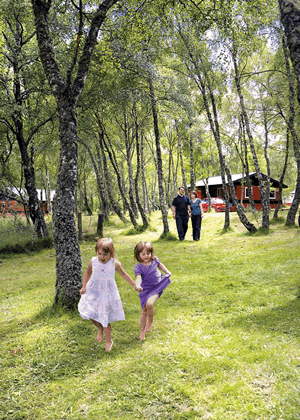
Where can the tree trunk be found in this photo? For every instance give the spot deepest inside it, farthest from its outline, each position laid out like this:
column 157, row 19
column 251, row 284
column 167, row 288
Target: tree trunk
column 179, row 144
column 193, row 180
column 160, row 176
column 291, row 40
column 291, row 216
column 48, row 193
column 212, row 118
column 99, row 178
column 16, row 52
column 266, row 145
column 114, row 163
column 129, row 147
column 86, row 201
column 143, row 176
column 35, row 212
column 262, row 188
column 207, row 193
column 240, row 211
column 214, row 124
column 275, row 215
column 113, row 202
column 246, row 163
column 68, row 259
column 136, row 180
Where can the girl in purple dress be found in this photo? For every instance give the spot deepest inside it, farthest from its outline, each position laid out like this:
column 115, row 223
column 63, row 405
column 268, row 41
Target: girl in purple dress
column 100, row 299
column 150, row 279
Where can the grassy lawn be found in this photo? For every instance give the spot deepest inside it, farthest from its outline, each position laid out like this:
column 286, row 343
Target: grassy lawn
column 225, row 341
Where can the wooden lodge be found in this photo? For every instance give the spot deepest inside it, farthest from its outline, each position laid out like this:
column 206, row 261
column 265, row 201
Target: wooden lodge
column 17, row 206
column 216, row 190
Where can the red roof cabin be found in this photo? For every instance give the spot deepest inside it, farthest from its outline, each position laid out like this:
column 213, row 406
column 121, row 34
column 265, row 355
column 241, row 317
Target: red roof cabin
column 216, row 190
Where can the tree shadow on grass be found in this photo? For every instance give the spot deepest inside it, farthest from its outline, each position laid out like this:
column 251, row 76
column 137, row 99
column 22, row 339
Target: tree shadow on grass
column 63, row 345
column 280, row 319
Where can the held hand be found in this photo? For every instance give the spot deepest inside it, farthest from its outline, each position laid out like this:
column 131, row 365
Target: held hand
column 168, row 273
column 138, row 288
column 82, row 290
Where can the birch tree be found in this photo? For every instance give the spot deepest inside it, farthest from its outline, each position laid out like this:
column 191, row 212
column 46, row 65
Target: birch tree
column 66, row 85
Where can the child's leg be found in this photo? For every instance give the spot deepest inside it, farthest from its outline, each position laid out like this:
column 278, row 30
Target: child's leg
column 109, row 342
column 100, row 330
column 143, row 323
column 150, row 311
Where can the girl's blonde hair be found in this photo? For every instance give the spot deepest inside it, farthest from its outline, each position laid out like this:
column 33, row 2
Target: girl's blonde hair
column 107, row 245
column 139, row 248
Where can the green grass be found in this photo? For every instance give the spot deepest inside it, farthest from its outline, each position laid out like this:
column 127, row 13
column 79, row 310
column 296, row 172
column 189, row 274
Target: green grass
column 225, row 342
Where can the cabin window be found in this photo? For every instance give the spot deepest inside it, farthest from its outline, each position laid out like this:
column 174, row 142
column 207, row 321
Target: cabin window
column 272, row 195
column 247, row 192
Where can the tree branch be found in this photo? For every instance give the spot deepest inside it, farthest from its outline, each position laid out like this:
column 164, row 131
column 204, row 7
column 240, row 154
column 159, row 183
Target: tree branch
column 89, row 46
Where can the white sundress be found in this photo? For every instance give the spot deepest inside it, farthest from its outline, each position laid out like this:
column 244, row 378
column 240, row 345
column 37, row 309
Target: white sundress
column 102, row 301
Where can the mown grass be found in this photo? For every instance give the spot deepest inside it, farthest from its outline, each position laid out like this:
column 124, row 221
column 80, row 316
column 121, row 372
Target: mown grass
column 225, row 342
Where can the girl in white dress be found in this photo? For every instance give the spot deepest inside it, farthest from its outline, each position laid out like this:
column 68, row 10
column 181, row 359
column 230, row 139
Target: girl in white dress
column 100, row 299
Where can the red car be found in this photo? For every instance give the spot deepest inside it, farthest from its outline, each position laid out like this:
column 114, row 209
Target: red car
column 216, row 203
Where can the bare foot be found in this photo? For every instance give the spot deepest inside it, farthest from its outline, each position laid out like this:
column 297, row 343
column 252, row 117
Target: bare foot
column 148, row 327
column 108, row 346
column 100, row 335
column 143, row 335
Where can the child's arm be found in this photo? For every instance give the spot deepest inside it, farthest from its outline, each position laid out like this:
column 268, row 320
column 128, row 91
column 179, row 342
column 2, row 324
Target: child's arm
column 126, row 276
column 86, row 277
column 164, row 269
column 138, row 280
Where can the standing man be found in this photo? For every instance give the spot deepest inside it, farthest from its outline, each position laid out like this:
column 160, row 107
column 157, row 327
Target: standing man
column 181, row 211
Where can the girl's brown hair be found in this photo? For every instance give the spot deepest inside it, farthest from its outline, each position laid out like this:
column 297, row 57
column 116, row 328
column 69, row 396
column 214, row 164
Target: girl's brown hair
column 139, row 248
column 107, row 245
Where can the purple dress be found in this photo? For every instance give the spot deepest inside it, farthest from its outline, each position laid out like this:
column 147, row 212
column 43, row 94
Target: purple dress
column 153, row 282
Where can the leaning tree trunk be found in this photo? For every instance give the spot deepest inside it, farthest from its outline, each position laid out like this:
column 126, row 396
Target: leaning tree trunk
column 114, row 204
column 239, row 208
column 212, row 118
column 67, row 92
column 160, row 176
column 290, row 219
column 114, row 163
column 35, row 213
column 262, row 188
column 214, row 124
column 291, row 41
